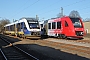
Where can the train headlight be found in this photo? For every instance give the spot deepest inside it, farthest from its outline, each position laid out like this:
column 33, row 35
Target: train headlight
column 38, row 27
column 30, row 27
column 82, row 33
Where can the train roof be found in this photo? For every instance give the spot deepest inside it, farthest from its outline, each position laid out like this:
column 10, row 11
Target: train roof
column 27, row 18
column 8, row 24
column 14, row 23
column 21, row 20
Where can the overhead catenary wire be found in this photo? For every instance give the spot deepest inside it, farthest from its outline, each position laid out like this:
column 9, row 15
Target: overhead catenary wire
column 19, row 8
column 63, row 6
column 25, row 8
column 48, row 6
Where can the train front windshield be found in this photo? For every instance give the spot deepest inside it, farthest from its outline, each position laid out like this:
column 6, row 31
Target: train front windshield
column 76, row 22
column 33, row 25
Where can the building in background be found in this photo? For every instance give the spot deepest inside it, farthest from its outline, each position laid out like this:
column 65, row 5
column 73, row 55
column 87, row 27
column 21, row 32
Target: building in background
column 87, row 26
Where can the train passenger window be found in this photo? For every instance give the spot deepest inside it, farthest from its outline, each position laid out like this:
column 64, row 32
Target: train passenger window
column 66, row 24
column 12, row 28
column 18, row 26
column 59, row 25
column 49, row 25
column 53, row 25
column 7, row 28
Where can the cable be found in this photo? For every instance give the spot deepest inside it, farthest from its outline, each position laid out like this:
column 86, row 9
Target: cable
column 26, row 7
column 49, row 5
column 64, row 6
column 84, row 8
column 74, row 3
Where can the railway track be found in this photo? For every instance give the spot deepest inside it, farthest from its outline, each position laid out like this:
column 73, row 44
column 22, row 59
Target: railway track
column 71, row 40
column 70, row 48
column 52, row 43
column 10, row 52
column 63, row 45
column 2, row 55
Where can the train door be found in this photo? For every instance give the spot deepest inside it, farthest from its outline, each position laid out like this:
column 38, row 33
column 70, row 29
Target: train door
column 52, row 29
column 65, row 29
column 49, row 29
column 59, row 29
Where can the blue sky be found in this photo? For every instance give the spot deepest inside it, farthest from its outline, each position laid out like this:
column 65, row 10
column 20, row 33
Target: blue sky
column 45, row 9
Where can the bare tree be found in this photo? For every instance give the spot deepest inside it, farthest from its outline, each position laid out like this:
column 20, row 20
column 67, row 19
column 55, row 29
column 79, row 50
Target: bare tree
column 3, row 22
column 74, row 14
column 87, row 20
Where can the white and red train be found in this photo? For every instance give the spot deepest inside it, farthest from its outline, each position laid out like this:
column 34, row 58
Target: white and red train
column 64, row 27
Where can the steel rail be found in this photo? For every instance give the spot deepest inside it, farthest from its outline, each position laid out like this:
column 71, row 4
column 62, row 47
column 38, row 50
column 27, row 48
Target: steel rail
column 3, row 54
column 21, row 50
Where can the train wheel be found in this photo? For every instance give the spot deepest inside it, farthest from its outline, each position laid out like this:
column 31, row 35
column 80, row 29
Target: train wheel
column 23, row 37
column 20, row 36
column 59, row 36
column 63, row 36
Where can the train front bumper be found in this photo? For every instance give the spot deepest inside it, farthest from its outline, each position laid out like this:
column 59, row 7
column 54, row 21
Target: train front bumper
column 33, row 34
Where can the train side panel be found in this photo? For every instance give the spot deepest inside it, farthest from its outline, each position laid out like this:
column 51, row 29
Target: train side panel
column 9, row 29
column 65, row 27
column 53, row 28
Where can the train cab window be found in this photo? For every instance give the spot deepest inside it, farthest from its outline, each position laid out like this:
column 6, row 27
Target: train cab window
column 59, row 25
column 49, row 25
column 53, row 25
column 66, row 24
